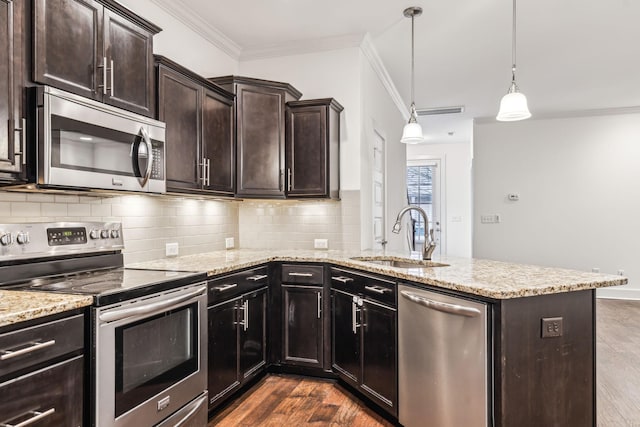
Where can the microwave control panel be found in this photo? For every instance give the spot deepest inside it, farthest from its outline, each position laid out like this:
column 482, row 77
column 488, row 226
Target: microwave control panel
column 157, row 165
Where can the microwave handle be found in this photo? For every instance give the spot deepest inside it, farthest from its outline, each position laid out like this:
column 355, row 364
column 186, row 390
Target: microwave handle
column 147, row 141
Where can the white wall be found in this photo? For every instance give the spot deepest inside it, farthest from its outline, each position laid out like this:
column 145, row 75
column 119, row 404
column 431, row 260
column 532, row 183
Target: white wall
column 380, row 114
column 579, row 205
column 456, row 191
column 181, row 44
column 324, row 74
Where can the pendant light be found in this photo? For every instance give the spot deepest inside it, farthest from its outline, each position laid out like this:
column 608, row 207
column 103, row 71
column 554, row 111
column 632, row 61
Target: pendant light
column 412, row 132
column 513, row 106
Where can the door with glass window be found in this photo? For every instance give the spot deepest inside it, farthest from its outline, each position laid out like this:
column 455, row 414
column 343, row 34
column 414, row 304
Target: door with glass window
column 424, row 190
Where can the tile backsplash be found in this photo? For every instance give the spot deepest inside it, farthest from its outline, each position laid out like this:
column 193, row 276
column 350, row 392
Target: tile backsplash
column 295, row 224
column 149, row 222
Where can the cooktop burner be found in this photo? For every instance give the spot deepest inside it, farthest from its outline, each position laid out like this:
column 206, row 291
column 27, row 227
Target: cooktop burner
column 108, row 286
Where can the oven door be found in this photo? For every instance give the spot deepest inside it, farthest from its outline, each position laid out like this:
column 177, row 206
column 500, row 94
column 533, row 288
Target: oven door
column 150, row 356
column 88, row 144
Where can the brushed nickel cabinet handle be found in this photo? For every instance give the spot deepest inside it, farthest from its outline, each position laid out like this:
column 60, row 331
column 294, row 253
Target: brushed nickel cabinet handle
column 289, row 183
column 10, row 354
column 104, row 75
column 223, row 288
column 342, row 279
column 112, row 82
column 301, row 274
column 22, row 128
column 36, row 417
column 257, row 277
column 377, row 289
column 319, row 304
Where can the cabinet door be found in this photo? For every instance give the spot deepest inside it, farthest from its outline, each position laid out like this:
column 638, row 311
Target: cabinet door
column 179, row 108
column 379, row 373
column 253, row 333
column 346, row 336
column 223, row 350
column 11, row 142
column 217, row 143
column 260, row 141
column 57, row 391
column 130, row 80
column 307, row 151
column 67, row 48
column 302, row 334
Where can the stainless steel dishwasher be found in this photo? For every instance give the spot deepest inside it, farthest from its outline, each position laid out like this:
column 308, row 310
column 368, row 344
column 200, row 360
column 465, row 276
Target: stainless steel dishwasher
column 442, row 360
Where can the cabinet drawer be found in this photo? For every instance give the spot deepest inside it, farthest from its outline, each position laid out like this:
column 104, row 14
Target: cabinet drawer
column 54, row 394
column 30, row 346
column 374, row 288
column 226, row 287
column 306, row 274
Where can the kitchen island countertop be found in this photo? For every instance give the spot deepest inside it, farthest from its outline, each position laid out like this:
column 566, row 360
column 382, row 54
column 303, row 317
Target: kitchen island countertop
column 492, row 279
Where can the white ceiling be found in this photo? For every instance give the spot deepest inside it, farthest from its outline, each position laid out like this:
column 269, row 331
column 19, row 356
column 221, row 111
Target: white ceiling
column 573, row 55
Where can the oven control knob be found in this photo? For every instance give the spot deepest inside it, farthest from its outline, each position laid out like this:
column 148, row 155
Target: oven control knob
column 115, row 234
column 23, row 238
column 104, row 234
column 94, row 234
column 6, row 239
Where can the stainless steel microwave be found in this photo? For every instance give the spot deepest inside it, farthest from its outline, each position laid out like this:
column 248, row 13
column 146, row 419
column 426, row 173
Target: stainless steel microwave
column 84, row 144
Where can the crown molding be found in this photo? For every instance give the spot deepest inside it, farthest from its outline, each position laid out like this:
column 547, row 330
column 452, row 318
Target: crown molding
column 180, row 10
column 371, row 53
column 298, row 47
column 549, row 115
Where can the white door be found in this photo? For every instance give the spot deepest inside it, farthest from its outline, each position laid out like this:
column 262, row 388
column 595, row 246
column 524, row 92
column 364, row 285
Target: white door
column 379, row 192
column 424, row 189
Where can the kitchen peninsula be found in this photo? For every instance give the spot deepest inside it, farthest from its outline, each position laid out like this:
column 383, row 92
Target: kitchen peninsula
column 540, row 332
column 531, row 379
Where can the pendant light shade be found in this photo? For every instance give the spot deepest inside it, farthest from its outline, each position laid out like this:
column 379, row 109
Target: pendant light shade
column 412, row 132
column 513, row 106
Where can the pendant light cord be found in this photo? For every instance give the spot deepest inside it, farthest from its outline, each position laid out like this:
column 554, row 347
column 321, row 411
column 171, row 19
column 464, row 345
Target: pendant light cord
column 413, row 79
column 513, row 45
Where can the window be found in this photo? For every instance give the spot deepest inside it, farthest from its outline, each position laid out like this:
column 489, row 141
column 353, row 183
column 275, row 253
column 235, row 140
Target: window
column 420, row 193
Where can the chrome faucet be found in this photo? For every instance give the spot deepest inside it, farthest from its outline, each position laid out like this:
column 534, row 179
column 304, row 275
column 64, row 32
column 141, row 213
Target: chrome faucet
column 429, row 242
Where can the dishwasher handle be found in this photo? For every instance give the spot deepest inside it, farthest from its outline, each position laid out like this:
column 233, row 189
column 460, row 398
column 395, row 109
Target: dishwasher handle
column 441, row 306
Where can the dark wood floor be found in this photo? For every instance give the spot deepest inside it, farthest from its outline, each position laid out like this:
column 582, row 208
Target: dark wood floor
column 618, row 362
column 293, row 401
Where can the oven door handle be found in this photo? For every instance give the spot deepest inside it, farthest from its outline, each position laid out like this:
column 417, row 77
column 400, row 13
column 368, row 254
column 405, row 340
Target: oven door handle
column 123, row 313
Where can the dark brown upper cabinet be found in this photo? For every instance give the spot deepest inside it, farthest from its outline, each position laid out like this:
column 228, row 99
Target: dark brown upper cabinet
column 313, row 148
column 12, row 136
column 199, row 135
column 260, row 134
column 97, row 49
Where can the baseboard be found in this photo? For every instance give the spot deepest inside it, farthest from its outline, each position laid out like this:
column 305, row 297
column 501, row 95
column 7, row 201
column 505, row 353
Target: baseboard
column 618, row 293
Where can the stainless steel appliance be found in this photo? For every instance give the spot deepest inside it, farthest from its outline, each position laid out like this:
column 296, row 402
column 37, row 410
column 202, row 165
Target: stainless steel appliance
column 82, row 143
column 442, row 360
column 149, row 328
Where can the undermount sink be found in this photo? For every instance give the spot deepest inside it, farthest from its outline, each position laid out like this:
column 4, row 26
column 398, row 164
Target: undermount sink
column 399, row 262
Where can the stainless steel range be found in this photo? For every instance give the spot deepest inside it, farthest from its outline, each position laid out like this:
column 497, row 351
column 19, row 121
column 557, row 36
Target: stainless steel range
column 148, row 326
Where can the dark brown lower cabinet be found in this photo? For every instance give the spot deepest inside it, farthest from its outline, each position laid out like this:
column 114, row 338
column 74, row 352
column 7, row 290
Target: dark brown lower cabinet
column 365, row 347
column 49, row 397
column 237, row 343
column 303, row 329
column 223, row 349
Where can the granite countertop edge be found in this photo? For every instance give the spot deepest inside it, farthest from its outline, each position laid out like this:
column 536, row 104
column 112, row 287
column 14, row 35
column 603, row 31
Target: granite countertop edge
column 485, row 278
column 20, row 306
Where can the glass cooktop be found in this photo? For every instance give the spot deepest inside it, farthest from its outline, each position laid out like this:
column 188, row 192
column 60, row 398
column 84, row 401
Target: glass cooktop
column 111, row 285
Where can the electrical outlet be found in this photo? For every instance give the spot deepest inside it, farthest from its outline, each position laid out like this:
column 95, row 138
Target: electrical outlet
column 551, row 327
column 595, row 270
column 490, row 219
column 620, row 272
column 229, row 243
column 171, row 249
column 321, row 243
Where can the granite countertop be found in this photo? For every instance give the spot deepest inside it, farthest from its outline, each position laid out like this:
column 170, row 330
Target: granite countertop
column 19, row 306
column 493, row 279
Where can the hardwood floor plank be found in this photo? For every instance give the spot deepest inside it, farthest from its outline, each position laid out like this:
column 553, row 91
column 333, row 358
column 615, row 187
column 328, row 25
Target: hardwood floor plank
column 281, row 400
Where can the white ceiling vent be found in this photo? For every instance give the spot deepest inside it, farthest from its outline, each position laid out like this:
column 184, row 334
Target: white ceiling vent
column 440, row 110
